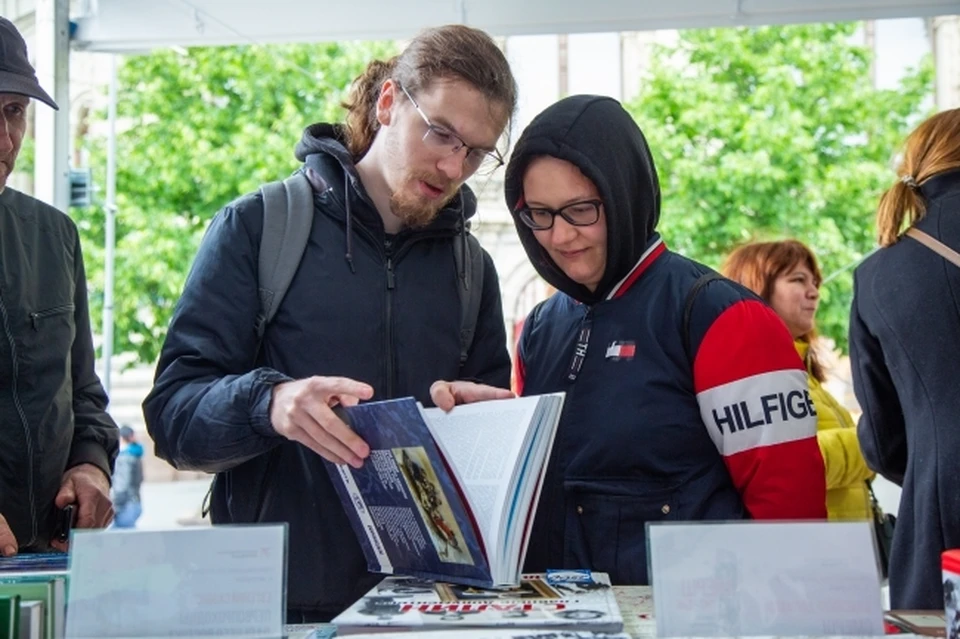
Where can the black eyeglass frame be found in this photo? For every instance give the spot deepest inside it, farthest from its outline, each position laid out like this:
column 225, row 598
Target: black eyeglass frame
column 525, row 214
column 493, row 157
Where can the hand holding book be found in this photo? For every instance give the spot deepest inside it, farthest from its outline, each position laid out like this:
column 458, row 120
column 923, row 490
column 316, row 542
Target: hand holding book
column 302, row 411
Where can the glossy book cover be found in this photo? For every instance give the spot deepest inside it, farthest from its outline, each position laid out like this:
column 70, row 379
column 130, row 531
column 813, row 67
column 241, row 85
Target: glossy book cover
column 404, row 505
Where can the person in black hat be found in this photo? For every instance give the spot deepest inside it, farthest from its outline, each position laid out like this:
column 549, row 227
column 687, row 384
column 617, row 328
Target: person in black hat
column 58, row 442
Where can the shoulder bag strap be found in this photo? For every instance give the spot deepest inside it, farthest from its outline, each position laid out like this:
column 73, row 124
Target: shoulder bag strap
column 935, row 245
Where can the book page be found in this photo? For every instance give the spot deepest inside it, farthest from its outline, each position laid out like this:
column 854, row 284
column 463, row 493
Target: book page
column 482, row 443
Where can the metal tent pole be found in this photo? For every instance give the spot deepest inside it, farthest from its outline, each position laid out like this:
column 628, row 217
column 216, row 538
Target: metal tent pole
column 111, row 223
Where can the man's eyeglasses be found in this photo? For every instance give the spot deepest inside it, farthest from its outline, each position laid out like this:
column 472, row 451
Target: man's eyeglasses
column 477, row 160
column 582, row 213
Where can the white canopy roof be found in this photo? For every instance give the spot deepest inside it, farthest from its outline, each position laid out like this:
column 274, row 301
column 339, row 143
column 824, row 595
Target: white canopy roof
column 137, row 25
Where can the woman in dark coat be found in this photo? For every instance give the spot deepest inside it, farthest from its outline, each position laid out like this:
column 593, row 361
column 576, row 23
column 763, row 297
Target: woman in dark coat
column 905, row 353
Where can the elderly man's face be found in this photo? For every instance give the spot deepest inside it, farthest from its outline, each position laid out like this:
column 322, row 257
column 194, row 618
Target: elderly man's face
column 13, row 124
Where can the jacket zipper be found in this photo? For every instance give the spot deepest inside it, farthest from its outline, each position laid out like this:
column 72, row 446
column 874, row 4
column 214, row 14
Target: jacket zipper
column 391, row 258
column 39, row 315
column 23, row 423
column 391, row 284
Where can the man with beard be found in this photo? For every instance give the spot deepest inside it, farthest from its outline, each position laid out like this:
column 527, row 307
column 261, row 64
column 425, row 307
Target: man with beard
column 373, row 311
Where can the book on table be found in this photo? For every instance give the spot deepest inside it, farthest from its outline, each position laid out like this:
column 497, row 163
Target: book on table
column 557, row 600
column 448, row 496
column 499, row 633
column 40, row 582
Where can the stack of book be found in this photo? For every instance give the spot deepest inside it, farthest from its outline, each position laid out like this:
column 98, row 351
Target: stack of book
column 560, row 600
column 33, row 596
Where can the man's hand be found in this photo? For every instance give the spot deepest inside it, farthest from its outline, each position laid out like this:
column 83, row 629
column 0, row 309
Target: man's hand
column 8, row 543
column 446, row 395
column 88, row 487
column 302, row 412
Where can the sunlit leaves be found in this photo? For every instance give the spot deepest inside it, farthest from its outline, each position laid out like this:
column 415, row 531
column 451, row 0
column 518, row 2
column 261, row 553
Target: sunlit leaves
column 197, row 131
column 776, row 132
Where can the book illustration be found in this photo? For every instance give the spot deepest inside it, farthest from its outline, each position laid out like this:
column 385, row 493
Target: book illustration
column 400, row 586
column 532, row 589
column 432, row 504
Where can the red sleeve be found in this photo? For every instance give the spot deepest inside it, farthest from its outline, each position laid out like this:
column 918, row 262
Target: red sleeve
column 756, row 405
column 519, row 372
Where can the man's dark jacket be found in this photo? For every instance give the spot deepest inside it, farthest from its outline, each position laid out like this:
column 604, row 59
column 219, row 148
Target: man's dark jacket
column 379, row 309
column 52, row 405
column 904, row 354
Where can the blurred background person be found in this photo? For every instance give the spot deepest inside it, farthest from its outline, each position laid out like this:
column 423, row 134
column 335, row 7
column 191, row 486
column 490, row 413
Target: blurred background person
column 786, row 275
column 904, row 349
column 127, row 479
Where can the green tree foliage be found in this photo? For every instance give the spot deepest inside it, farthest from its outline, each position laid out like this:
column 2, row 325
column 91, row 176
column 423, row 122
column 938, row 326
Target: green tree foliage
column 198, row 130
column 776, row 132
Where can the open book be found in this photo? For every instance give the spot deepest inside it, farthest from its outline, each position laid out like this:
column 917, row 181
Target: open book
column 448, row 496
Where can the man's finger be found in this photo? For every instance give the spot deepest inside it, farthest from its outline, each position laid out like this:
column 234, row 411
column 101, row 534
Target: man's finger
column 66, row 495
column 442, row 395
column 86, row 512
column 8, row 542
column 345, row 400
column 106, row 517
column 302, row 437
column 332, row 386
column 469, row 392
column 341, row 439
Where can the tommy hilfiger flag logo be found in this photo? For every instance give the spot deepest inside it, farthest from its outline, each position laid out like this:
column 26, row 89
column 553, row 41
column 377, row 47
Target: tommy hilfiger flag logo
column 621, row 350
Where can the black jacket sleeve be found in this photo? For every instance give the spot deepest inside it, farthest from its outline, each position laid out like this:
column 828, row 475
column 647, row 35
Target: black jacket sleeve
column 95, row 435
column 210, row 406
column 881, row 429
column 489, row 360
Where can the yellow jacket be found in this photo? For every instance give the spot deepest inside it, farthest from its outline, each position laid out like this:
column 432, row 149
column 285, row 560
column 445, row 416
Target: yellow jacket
column 847, row 472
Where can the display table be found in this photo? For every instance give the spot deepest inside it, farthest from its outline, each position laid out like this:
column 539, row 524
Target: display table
column 636, row 607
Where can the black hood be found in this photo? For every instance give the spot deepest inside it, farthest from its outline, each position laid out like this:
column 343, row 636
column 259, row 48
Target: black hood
column 323, row 149
column 597, row 135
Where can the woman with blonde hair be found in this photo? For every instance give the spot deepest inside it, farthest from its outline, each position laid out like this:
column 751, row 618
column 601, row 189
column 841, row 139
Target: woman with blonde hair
column 786, row 275
column 904, row 349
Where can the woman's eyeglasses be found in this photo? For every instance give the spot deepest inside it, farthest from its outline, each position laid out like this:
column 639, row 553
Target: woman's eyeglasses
column 582, row 213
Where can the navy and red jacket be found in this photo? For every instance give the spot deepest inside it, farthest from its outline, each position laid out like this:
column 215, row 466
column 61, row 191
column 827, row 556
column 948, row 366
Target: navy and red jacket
column 664, row 420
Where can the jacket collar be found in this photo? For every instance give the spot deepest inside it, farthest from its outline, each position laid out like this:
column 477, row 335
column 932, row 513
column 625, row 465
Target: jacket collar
column 655, row 250
column 941, row 184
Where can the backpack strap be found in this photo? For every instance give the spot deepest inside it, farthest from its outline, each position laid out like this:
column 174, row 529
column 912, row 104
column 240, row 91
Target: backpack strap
column 467, row 251
column 702, row 281
column 287, row 218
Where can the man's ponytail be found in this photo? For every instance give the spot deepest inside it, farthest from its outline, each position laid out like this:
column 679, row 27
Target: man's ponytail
column 361, row 105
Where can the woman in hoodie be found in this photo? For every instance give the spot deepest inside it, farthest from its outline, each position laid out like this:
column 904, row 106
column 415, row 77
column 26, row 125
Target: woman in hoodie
column 786, row 275
column 685, row 397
